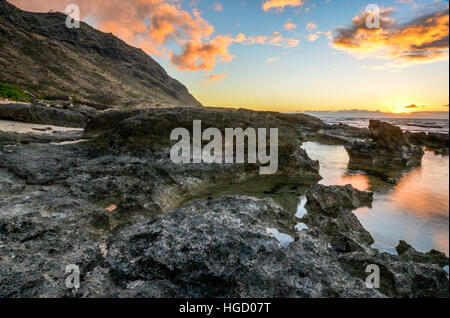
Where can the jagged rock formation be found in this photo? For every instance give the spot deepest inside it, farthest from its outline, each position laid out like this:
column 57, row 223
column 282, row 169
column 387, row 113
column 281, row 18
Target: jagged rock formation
column 437, row 142
column 432, row 257
column 387, row 135
column 13, row 138
column 116, row 205
column 220, row 249
column 328, row 199
column 389, row 150
column 330, row 212
column 39, row 54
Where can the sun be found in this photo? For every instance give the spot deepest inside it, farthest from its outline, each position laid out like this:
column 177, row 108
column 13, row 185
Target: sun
column 400, row 107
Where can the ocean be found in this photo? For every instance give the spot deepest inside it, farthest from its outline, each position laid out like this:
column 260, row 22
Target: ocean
column 406, row 124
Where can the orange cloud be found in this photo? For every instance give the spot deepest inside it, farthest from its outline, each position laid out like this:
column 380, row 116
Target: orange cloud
column 275, row 39
column 218, row 6
column 152, row 24
column 279, row 5
column 147, row 24
column 213, row 78
column 197, row 55
column 312, row 37
column 310, row 26
column 272, row 59
column 203, row 56
column 290, row 26
column 424, row 39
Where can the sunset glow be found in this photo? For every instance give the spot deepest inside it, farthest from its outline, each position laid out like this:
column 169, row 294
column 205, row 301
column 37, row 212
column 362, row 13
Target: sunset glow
column 288, row 55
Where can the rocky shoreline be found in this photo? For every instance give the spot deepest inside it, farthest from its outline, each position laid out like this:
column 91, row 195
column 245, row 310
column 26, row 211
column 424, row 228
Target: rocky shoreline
column 111, row 201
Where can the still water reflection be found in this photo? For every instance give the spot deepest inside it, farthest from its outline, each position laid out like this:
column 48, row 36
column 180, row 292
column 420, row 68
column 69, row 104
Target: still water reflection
column 416, row 209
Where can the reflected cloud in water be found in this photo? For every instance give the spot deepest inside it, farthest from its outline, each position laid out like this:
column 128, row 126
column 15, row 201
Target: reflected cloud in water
column 416, row 209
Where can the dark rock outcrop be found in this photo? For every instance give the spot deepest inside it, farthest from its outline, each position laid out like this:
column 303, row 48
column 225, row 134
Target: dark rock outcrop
column 214, row 248
column 32, row 113
column 387, row 135
column 330, row 211
column 399, row 278
column 390, row 150
column 437, row 142
column 338, row 134
column 328, row 199
column 405, row 250
column 219, row 249
column 12, row 138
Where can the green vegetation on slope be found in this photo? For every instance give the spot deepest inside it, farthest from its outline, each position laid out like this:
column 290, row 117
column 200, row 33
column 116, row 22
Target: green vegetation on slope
column 13, row 93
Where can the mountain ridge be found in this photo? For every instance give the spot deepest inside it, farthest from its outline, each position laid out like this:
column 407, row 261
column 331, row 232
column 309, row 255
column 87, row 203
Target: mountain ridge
column 39, row 54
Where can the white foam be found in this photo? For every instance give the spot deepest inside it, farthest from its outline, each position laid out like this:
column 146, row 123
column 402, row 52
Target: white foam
column 301, row 210
column 284, row 239
column 301, row 226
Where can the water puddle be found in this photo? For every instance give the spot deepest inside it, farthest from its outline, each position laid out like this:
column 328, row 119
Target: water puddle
column 72, row 142
column 301, row 210
column 301, row 226
column 284, row 239
column 416, row 209
column 285, row 191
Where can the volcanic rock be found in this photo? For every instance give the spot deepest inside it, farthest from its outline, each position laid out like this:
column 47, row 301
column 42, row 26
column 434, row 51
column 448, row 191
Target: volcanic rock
column 432, row 257
column 389, row 150
column 330, row 210
column 32, row 113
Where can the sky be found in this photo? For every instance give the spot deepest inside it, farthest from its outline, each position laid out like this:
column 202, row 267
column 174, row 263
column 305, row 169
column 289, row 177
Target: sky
column 288, row 55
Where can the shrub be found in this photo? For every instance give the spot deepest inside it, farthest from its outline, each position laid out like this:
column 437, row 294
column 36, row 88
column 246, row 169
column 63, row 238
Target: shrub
column 13, row 93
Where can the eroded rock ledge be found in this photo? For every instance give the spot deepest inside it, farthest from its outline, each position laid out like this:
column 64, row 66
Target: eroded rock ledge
column 40, row 114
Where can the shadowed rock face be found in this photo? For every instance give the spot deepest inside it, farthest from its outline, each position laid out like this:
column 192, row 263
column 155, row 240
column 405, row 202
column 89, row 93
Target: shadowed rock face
column 399, row 278
column 218, row 248
column 53, row 200
column 150, row 130
column 41, row 55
